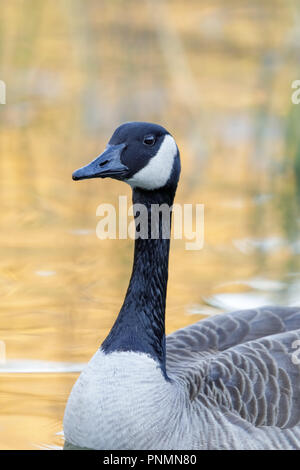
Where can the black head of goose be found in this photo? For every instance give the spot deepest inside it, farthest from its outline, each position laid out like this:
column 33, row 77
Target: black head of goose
column 204, row 386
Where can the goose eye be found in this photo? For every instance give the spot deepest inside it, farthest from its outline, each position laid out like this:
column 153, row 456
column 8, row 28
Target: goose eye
column 149, row 140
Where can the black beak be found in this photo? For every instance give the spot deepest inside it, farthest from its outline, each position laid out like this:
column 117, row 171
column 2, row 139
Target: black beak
column 105, row 165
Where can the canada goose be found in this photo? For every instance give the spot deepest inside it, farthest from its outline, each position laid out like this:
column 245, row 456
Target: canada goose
column 228, row 382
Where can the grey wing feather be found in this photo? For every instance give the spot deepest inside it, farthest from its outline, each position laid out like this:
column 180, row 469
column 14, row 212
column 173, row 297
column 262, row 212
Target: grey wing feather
column 223, row 331
column 259, row 380
column 239, row 365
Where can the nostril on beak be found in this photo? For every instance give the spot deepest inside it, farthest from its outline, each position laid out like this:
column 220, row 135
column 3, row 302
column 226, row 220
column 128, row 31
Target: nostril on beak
column 104, row 163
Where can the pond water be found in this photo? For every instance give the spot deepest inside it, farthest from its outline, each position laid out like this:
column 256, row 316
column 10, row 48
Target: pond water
column 212, row 75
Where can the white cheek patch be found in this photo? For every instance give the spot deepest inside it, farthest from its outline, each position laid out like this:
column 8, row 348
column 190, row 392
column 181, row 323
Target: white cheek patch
column 157, row 172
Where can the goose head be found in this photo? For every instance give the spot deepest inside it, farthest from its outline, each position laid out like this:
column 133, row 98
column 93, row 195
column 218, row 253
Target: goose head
column 142, row 154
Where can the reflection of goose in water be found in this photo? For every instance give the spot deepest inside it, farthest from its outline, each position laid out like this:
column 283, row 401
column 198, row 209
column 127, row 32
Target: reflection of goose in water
column 227, row 382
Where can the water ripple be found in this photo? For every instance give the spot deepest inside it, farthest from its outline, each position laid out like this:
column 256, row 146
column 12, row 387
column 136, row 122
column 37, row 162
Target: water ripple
column 28, row 366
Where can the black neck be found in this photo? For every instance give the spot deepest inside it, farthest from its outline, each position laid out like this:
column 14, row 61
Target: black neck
column 140, row 325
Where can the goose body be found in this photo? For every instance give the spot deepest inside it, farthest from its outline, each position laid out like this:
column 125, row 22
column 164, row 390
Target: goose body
column 228, row 382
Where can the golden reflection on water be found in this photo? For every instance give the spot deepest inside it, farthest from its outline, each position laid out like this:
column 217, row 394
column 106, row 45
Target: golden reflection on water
column 74, row 71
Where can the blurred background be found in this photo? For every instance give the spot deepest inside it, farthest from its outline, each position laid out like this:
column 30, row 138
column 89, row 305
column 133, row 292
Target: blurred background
column 219, row 77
